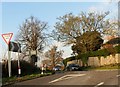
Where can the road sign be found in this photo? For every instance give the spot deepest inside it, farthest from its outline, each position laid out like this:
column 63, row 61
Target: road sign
column 7, row 37
column 15, row 47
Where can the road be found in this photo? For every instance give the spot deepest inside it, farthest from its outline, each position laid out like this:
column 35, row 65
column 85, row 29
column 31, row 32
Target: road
column 93, row 78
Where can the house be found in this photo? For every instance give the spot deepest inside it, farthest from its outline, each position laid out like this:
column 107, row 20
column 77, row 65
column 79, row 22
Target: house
column 112, row 42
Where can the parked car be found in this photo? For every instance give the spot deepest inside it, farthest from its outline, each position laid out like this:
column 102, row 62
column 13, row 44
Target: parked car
column 73, row 67
column 57, row 68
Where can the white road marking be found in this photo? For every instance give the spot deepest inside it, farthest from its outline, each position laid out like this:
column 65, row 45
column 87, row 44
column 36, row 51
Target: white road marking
column 108, row 70
column 99, row 84
column 117, row 75
column 66, row 77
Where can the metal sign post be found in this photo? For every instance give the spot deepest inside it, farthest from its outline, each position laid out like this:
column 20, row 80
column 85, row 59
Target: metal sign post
column 9, row 62
column 42, row 70
column 19, row 69
column 16, row 47
column 7, row 37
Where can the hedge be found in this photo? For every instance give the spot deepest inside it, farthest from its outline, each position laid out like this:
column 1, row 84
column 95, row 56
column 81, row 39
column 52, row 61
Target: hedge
column 26, row 68
column 102, row 52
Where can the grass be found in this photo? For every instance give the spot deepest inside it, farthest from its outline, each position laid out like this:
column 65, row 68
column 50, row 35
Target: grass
column 106, row 67
column 12, row 80
column 109, row 67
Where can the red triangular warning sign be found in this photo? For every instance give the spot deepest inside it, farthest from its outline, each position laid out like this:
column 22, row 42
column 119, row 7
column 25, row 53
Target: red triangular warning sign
column 7, row 37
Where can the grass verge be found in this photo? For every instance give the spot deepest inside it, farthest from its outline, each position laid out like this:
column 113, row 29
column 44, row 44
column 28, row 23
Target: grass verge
column 12, row 80
column 106, row 67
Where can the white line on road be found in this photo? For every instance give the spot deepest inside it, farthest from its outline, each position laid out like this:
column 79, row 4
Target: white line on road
column 66, row 77
column 108, row 70
column 99, row 84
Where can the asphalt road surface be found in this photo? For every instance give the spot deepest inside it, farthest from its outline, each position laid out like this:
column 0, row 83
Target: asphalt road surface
column 94, row 78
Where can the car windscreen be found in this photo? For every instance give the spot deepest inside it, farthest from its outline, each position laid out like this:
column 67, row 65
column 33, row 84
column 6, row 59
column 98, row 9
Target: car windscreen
column 73, row 65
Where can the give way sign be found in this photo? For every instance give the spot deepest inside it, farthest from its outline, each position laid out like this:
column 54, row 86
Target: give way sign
column 7, row 37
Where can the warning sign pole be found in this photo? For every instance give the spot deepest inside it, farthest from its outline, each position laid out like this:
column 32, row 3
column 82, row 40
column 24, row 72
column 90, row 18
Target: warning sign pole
column 7, row 37
column 19, row 68
column 9, row 62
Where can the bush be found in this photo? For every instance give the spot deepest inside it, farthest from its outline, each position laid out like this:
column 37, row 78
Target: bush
column 84, row 57
column 102, row 52
column 26, row 68
column 117, row 48
column 5, row 69
column 99, row 53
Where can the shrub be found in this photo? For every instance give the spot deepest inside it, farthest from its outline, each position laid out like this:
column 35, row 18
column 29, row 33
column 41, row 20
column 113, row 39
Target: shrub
column 102, row 52
column 26, row 68
column 117, row 48
column 84, row 57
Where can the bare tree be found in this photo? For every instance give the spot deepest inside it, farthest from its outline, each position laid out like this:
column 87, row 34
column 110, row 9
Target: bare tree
column 31, row 35
column 54, row 56
column 70, row 26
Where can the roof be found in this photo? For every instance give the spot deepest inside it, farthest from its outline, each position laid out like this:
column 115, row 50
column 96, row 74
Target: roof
column 114, row 41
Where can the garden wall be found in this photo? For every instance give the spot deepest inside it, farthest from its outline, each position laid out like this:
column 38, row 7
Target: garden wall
column 96, row 61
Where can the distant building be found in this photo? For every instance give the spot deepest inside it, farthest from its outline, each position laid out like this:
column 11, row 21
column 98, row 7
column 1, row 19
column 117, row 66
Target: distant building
column 112, row 42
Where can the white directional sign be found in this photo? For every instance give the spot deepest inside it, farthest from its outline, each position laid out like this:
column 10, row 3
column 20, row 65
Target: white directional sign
column 7, row 37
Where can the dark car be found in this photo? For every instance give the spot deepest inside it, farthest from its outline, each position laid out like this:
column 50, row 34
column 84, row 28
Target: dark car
column 73, row 67
column 57, row 68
